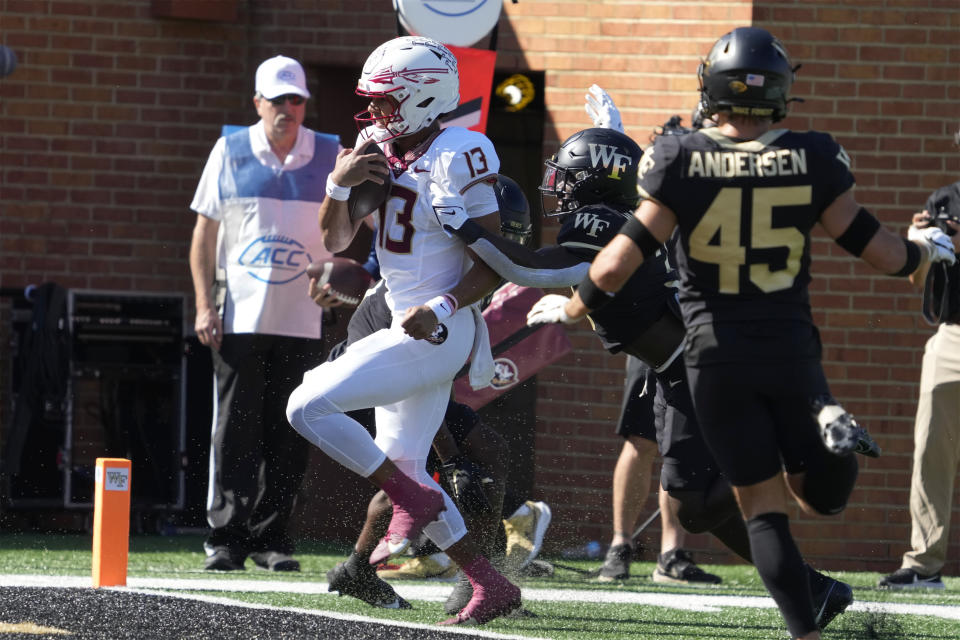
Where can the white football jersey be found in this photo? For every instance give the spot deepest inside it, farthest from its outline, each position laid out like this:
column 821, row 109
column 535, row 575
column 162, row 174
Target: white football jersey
column 418, row 260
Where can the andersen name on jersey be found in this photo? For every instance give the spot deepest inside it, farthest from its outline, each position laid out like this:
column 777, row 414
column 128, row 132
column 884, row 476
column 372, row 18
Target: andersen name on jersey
column 744, row 211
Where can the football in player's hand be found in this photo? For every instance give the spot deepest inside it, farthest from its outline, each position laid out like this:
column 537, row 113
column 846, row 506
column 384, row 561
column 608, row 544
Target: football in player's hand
column 347, row 278
column 366, row 197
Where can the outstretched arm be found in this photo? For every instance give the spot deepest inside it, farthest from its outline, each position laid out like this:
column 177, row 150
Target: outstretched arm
column 644, row 235
column 858, row 231
column 420, row 321
column 549, row 267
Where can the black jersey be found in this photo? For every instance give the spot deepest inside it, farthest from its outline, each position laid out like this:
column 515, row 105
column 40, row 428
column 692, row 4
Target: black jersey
column 644, row 297
column 744, row 212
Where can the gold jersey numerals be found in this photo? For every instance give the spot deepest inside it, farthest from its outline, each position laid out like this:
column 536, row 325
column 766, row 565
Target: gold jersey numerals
column 716, row 238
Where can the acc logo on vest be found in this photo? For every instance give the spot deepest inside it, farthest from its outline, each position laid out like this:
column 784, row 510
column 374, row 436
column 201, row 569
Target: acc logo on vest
column 275, row 259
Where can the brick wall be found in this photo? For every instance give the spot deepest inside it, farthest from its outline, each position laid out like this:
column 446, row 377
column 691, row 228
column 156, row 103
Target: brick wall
column 883, row 77
column 108, row 120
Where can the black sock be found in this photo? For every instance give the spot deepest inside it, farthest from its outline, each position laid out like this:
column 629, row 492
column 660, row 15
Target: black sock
column 781, row 567
column 424, row 546
column 818, row 581
column 733, row 533
column 511, row 502
column 357, row 563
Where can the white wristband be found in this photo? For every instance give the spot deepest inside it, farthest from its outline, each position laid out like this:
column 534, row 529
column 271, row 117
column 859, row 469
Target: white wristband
column 443, row 306
column 335, row 191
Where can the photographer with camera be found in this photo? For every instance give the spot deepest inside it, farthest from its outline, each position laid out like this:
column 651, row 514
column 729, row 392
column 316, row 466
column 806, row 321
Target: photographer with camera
column 936, row 453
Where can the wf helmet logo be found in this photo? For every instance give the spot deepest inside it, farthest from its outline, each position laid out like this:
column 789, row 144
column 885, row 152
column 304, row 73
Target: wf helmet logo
column 275, row 259
column 606, row 156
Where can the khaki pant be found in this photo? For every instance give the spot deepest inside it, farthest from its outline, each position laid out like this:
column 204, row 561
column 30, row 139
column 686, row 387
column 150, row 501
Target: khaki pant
column 936, row 452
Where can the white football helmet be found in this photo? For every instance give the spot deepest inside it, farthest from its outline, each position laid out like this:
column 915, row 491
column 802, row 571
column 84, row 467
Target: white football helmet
column 420, row 74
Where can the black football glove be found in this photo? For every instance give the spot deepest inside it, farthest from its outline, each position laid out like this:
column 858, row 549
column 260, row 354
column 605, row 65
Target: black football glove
column 466, row 481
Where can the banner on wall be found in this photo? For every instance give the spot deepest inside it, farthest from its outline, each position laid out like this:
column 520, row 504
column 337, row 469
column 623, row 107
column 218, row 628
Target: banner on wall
column 476, row 68
column 519, row 351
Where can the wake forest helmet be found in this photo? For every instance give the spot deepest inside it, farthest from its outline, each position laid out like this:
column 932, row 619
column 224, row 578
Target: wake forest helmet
column 593, row 166
column 515, row 223
column 419, row 74
column 747, row 72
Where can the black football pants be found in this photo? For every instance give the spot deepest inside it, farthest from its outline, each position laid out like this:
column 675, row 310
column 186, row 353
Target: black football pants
column 257, row 460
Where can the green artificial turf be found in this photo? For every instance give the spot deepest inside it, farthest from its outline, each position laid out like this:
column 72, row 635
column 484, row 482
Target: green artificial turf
column 590, row 618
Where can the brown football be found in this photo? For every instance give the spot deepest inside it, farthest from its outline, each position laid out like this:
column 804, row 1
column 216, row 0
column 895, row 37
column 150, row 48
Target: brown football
column 347, row 278
column 366, row 197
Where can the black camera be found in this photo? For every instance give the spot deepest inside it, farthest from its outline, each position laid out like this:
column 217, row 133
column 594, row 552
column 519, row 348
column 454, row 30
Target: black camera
column 941, row 214
column 671, row 127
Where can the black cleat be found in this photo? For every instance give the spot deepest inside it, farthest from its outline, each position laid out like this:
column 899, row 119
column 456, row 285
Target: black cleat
column 364, row 585
column 830, row 600
column 538, row 569
column 677, row 567
column 224, row 559
column 910, row 579
column 275, row 561
column 839, row 430
column 460, row 596
column 616, row 564
column 866, row 446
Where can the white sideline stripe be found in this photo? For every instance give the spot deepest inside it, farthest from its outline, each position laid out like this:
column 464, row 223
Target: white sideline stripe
column 348, row 617
column 65, row 582
column 437, row 593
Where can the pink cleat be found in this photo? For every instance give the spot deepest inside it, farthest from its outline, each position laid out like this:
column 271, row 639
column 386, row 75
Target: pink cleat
column 488, row 602
column 409, row 519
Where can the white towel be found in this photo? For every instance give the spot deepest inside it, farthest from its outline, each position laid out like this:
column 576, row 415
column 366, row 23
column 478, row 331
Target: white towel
column 481, row 357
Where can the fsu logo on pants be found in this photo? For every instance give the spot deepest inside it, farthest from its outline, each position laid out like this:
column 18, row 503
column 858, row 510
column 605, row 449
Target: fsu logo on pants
column 439, row 335
column 505, row 373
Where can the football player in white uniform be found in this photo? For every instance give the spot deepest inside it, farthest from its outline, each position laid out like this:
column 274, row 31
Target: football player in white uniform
column 406, row 371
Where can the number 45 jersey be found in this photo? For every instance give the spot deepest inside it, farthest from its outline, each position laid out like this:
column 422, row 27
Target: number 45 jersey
column 744, row 211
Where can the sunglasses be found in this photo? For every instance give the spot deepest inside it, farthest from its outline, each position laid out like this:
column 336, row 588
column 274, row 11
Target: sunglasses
column 292, row 98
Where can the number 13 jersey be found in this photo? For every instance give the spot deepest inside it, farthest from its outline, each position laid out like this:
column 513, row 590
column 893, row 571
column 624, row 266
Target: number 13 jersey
column 418, row 259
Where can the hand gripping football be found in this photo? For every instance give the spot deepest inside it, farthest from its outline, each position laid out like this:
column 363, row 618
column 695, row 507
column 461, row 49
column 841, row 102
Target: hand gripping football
column 347, row 278
column 366, row 197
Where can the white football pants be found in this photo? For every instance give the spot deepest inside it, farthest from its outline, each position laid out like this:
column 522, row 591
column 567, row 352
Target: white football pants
column 408, row 382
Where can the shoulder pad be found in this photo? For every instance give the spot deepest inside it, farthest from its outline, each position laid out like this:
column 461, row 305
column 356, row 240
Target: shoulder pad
column 464, row 158
column 591, row 226
column 826, row 144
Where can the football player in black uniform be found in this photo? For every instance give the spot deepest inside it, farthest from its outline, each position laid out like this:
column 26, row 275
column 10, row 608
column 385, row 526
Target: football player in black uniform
column 744, row 197
column 592, row 180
